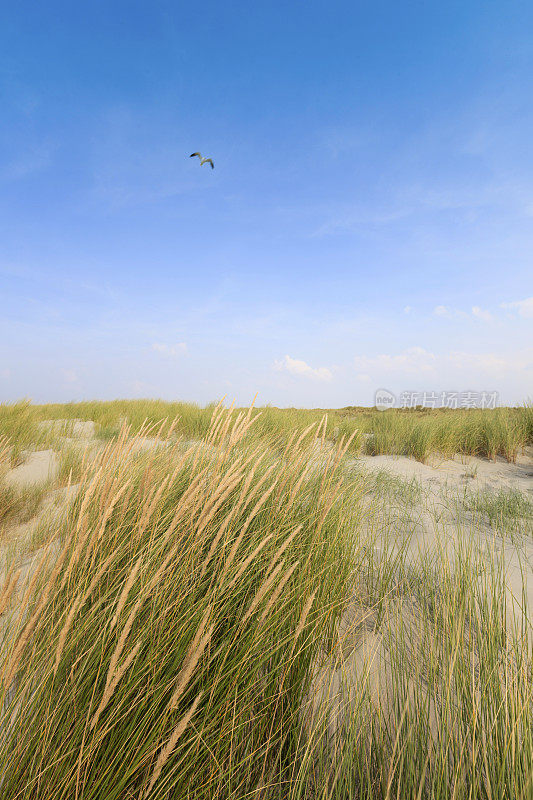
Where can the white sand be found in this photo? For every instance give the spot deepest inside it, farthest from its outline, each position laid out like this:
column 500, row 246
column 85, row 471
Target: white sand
column 38, row 467
column 458, row 472
column 438, row 520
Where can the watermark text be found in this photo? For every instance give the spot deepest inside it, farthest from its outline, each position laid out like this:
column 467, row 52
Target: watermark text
column 384, row 399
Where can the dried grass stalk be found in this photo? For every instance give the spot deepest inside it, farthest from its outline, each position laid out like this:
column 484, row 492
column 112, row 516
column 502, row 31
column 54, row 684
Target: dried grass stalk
column 110, row 688
column 248, row 561
column 167, row 751
column 125, row 591
column 262, row 591
column 275, row 595
column 191, row 659
column 9, row 588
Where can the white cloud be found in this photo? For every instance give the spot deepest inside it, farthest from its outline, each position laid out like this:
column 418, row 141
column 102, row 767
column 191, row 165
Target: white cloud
column 503, row 369
column 492, row 363
column 171, row 350
column 484, row 362
column 454, row 313
column 297, row 367
column 407, row 309
column 523, row 307
column 442, row 311
column 479, row 313
column 414, row 359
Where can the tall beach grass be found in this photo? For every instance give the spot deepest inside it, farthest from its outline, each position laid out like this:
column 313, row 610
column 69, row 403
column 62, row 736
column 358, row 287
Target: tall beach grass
column 211, row 619
column 416, row 433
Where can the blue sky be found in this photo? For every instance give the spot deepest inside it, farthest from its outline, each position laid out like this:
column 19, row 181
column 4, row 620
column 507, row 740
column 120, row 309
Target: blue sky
column 368, row 223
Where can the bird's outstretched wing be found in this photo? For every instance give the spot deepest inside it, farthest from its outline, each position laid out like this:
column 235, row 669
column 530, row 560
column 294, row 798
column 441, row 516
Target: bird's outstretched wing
column 195, row 154
column 209, row 161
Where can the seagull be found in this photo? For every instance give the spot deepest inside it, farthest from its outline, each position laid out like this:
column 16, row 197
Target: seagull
column 203, row 160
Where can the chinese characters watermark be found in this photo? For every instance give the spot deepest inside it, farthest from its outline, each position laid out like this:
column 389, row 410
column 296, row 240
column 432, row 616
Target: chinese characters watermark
column 384, row 399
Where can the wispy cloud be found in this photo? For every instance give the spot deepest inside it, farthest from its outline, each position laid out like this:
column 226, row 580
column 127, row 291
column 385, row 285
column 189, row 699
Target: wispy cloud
column 492, row 364
column 522, row 307
column 416, row 360
column 172, row 350
column 442, row 311
column 411, row 360
column 480, row 313
column 353, row 220
column 453, row 313
column 299, row 368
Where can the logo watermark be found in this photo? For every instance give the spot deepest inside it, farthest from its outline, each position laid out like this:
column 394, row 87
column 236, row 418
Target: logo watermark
column 384, row 399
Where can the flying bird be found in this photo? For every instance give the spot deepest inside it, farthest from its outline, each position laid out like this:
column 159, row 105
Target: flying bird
column 203, row 160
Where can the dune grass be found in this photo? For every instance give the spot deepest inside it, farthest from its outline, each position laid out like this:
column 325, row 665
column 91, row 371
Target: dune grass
column 72, row 460
column 502, row 509
column 447, row 714
column 18, row 505
column 410, row 432
column 186, row 589
column 181, row 637
column 384, row 484
column 189, row 419
column 19, row 428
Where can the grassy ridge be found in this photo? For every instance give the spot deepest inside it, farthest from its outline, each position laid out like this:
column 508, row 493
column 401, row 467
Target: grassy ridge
column 416, row 433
